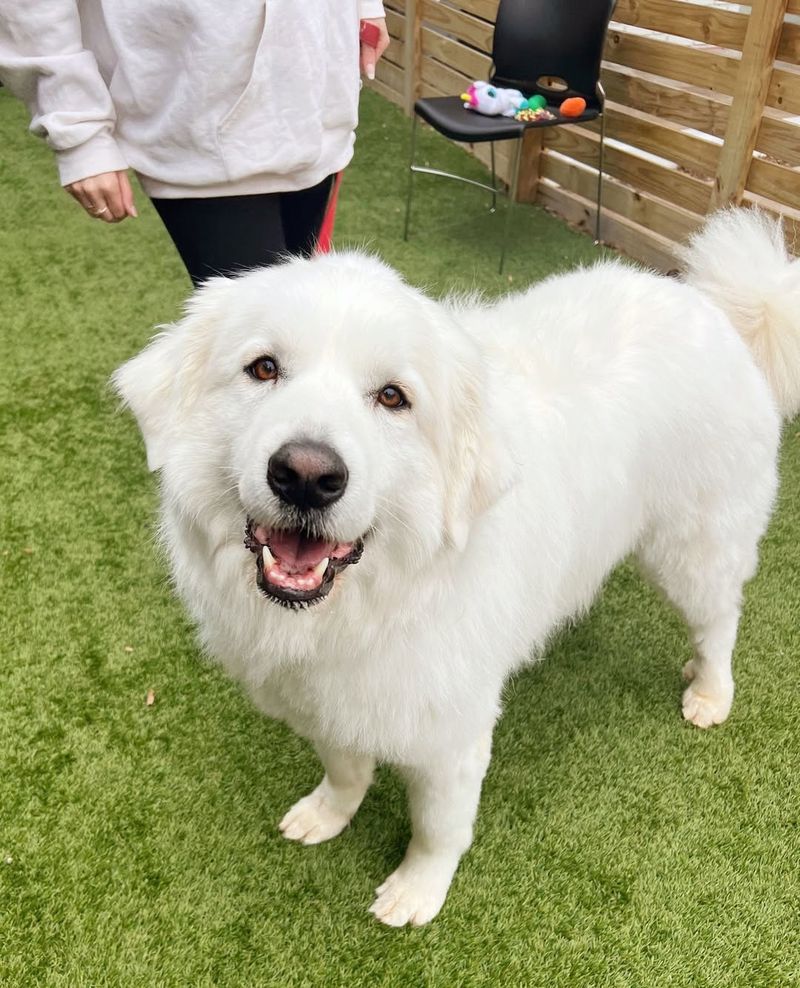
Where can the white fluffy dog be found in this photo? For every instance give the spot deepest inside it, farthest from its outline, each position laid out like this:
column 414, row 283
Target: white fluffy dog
column 378, row 506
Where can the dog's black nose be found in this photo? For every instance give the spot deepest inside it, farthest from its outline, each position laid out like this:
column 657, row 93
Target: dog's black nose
column 307, row 474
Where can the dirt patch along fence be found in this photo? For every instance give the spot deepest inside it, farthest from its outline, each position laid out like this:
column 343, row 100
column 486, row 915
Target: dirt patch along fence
column 703, row 109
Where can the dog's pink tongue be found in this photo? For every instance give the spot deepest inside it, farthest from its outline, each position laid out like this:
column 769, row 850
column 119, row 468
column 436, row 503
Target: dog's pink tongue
column 297, row 552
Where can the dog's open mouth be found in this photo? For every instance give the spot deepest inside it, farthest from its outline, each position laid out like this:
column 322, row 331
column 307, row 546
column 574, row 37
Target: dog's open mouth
column 295, row 569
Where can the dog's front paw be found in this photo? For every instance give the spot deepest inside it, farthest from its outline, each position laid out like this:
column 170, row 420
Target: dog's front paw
column 704, row 707
column 413, row 894
column 313, row 820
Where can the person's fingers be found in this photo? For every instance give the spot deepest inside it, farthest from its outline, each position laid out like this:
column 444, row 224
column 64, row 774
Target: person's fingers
column 383, row 44
column 367, row 60
column 100, row 196
column 90, row 200
column 370, row 54
column 93, row 196
column 109, row 195
column 95, row 205
column 127, row 194
column 76, row 191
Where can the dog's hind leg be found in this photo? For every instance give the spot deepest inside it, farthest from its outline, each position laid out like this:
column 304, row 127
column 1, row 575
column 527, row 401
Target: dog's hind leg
column 708, row 697
column 702, row 571
column 325, row 812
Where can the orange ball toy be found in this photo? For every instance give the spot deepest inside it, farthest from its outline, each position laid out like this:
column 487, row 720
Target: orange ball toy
column 572, row 107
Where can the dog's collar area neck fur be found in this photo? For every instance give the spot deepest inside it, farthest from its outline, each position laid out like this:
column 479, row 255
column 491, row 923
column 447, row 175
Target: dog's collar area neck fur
column 295, row 568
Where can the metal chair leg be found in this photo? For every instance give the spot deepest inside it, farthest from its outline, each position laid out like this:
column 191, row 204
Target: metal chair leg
column 494, row 178
column 410, row 176
column 512, row 198
column 602, row 97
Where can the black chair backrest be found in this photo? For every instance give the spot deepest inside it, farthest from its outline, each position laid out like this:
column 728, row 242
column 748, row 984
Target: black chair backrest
column 560, row 39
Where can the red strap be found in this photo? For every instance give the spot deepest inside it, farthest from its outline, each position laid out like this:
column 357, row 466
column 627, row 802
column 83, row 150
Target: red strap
column 325, row 238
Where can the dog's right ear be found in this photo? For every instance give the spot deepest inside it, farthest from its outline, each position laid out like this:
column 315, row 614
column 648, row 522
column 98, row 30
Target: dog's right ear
column 160, row 383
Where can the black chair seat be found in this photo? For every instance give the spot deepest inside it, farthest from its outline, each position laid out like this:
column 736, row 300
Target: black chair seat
column 448, row 115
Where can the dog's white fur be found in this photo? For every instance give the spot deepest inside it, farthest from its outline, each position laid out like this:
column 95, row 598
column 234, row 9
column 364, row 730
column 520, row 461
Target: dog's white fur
column 605, row 412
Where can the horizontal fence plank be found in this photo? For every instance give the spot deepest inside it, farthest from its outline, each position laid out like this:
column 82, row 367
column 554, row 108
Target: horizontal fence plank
column 396, row 53
column 708, row 68
column 473, row 64
column 655, row 214
column 695, row 21
column 444, row 78
column 661, row 138
column 485, row 9
column 395, row 24
column 784, row 90
column 779, row 139
column 386, row 91
column 666, row 99
column 665, row 183
column 789, row 44
column 390, row 75
column 426, row 90
column 774, row 182
column 462, row 26
column 643, row 244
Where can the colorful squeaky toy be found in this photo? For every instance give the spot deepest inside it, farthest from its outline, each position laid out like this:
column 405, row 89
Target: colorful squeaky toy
column 572, row 107
column 534, row 109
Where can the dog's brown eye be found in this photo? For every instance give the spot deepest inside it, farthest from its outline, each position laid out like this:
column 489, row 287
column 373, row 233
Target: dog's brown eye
column 263, row 369
column 392, row 397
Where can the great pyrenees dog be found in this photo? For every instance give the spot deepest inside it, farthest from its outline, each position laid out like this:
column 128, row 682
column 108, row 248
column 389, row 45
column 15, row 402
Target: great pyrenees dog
column 378, row 506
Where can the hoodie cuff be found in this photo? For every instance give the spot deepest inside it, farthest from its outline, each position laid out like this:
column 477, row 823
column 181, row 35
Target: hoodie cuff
column 370, row 9
column 94, row 157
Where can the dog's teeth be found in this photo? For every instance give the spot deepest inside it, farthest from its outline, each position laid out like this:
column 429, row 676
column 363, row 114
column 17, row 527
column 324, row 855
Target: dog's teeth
column 269, row 559
column 319, row 569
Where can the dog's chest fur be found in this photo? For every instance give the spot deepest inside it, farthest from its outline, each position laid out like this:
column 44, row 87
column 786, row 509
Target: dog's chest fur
column 372, row 669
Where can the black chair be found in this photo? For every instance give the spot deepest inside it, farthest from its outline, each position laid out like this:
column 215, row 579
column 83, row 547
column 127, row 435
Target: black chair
column 548, row 47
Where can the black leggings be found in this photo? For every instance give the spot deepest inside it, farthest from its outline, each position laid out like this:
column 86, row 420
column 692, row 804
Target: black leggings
column 226, row 234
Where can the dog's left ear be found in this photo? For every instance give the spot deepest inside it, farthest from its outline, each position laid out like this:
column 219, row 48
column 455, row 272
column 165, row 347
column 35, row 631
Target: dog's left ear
column 160, row 383
column 477, row 471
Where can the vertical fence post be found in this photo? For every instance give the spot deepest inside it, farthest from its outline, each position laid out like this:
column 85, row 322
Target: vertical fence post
column 750, row 94
column 413, row 55
column 532, row 143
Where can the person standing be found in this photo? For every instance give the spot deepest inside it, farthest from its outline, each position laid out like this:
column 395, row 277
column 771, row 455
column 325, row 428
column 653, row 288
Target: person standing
column 234, row 117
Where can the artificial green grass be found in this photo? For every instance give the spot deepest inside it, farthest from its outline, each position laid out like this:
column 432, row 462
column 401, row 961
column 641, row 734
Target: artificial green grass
column 615, row 846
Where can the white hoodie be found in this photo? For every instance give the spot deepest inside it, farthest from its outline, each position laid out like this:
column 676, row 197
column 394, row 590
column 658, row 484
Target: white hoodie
column 199, row 97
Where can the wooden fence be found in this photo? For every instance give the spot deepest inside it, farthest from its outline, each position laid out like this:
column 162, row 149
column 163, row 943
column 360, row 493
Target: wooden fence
column 703, row 108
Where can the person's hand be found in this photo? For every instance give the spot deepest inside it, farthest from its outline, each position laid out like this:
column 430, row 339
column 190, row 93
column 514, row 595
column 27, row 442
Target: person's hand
column 107, row 197
column 370, row 55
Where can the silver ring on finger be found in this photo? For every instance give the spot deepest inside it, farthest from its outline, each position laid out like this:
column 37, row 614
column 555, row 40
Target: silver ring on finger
column 99, row 212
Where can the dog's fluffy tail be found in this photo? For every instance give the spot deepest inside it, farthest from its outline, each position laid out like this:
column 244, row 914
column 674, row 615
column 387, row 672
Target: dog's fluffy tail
column 739, row 260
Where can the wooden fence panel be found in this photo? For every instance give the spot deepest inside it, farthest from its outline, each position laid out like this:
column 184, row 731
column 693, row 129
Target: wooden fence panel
column 668, row 100
column 704, row 66
column 752, row 84
column 703, row 106
column 695, row 21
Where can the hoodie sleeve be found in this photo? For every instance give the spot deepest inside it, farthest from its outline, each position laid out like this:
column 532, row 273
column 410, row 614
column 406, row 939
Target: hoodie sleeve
column 44, row 63
column 370, row 9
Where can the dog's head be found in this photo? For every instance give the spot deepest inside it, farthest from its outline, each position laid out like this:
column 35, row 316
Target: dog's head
column 324, row 407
